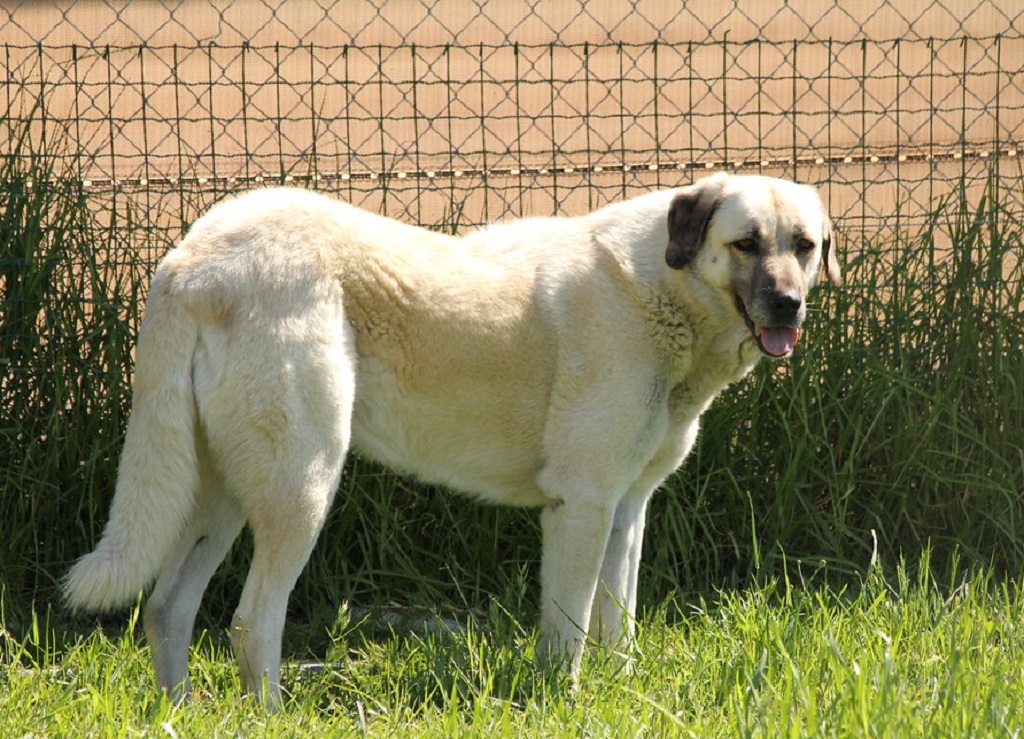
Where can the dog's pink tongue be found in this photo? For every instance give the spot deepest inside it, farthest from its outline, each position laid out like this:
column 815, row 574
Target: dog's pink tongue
column 778, row 340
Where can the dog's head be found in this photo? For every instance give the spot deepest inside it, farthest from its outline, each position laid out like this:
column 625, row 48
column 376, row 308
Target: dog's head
column 761, row 242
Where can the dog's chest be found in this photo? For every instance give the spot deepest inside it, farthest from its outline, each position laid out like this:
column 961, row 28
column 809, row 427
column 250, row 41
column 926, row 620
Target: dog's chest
column 709, row 364
column 703, row 354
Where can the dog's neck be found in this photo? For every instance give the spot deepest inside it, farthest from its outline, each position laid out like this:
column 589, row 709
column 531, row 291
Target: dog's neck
column 688, row 338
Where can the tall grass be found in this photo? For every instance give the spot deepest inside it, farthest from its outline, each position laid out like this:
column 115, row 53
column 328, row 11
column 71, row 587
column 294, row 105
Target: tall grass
column 901, row 417
column 69, row 292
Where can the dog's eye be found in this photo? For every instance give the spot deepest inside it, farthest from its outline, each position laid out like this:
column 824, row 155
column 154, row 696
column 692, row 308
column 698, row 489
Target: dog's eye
column 803, row 244
column 747, row 246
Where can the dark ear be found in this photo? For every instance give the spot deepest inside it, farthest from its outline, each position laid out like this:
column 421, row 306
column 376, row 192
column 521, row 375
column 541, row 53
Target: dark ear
column 828, row 254
column 688, row 220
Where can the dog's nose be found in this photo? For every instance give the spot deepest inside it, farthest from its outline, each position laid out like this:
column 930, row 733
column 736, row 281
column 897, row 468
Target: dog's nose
column 785, row 305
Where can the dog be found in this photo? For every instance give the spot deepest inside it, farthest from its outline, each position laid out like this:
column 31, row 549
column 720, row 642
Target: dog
column 562, row 363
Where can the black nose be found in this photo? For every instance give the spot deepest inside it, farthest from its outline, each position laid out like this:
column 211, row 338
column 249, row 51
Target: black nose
column 785, row 305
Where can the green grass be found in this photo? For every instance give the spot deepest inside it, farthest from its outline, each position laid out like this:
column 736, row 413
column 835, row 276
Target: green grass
column 905, row 658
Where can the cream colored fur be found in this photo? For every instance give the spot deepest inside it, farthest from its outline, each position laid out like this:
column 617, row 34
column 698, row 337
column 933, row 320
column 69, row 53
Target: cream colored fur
column 555, row 362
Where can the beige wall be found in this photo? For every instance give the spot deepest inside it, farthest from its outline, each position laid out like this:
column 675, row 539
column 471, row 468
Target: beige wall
column 467, row 22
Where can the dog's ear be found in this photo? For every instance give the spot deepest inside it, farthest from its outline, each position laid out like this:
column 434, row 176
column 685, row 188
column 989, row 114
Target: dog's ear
column 688, row 219
column 828, row 253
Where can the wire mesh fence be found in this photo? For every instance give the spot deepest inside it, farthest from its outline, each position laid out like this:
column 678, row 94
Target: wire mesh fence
column 454, row 114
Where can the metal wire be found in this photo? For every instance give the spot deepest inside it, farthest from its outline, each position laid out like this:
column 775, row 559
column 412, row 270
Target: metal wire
column 454, row 114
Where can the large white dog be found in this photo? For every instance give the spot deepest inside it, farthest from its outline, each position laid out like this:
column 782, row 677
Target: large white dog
column 553, row 362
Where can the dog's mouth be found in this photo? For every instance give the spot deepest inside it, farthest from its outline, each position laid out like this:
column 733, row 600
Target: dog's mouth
column 775, row 341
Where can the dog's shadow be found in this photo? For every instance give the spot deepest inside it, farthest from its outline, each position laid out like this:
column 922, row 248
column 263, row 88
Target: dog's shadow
column 422, row 661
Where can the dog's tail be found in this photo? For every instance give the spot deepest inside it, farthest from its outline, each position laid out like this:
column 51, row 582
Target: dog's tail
column 158, row 475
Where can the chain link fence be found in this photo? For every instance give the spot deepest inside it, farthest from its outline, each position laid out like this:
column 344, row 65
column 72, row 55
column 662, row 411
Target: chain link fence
column 451, row 114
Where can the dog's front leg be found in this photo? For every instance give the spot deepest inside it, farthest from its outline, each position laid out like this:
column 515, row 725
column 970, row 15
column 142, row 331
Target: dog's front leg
column 575, row 531
column 612, row 619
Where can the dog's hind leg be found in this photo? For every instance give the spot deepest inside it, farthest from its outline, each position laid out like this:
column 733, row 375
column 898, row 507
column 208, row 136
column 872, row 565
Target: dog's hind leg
column 283, row 537
column 287, row 488
column 285, row 528
column 171, row 610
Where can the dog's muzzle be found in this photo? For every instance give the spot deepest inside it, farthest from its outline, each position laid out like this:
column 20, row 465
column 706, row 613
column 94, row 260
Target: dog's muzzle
column 779, row 336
